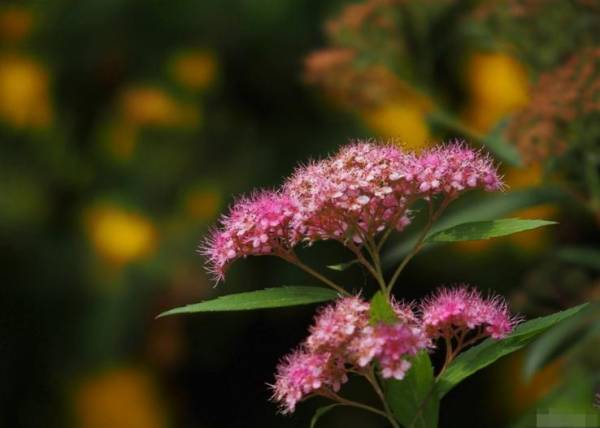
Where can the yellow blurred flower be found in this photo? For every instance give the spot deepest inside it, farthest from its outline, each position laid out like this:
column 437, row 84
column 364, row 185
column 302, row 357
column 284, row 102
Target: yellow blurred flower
column 123, row 397
column 203, row 204
column 120, row 236
column 405, row 120
column 16, row 23
column 497, row 84
column 153, row 106
column 24, row 92
column 194, row 69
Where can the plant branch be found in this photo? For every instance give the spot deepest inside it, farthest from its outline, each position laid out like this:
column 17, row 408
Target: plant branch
column 433, row 216
column 292, row 258
column 370, row 376
column 344, row 401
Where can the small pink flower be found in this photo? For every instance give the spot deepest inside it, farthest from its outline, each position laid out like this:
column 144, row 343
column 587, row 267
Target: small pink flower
column 454, row 168
column 302, row 373
column 451, row 311
column 390, row 345
column 336, row 324
column 257, row 225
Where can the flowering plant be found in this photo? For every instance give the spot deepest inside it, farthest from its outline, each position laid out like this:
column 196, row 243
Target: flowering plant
column 359, row 197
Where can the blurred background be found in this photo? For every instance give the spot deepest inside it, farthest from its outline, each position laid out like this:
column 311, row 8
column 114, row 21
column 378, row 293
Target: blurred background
column 127, row 126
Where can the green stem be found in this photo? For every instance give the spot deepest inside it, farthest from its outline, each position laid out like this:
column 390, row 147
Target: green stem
column 370, row 376
column 362, row 260
column 420, row 241
column 296, row 261
column 344, row 401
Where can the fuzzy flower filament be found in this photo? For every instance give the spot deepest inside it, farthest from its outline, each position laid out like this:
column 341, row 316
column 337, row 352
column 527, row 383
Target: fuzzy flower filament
column 258, row 225
column 462, row 316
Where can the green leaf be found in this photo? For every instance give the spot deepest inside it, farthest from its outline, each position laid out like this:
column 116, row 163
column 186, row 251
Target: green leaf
column 478, row 206
column 582, row 256
column 477, row 230
column 489, row 351
column 262, row 299
column 320, row 412
column 413, row 400
column 564, row 338
column 342, row 266
column 381, row 310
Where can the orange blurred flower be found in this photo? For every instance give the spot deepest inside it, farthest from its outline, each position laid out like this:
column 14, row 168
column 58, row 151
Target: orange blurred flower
column 497, row 85
column 24, row 92
column 16, row 23
column 194, row 69
column 518, row 394
column 123, row 397
column 120, row 236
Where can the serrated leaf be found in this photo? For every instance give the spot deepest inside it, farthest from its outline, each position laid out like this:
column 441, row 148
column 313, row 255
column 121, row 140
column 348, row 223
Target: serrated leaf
column 413, row 400
column 320, row 412
column 477, row 230
column 381, row 310
column 262, row 299
column 489, row 351
column 342, row 266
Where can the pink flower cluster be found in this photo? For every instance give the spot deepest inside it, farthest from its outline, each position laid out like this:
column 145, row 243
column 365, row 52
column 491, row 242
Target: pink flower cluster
column 452, row 311
column 343, row 339
column 353, row 195
column 340, row 339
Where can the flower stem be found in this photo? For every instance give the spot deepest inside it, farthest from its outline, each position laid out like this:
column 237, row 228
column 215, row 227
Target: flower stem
column 375, row 270
column 370, row 376
column 296, row 261
column 346, row 402
column 433, row 216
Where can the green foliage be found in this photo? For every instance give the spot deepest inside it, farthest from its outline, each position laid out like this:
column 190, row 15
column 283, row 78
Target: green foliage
column 381, row 310
column 262, row 299
column 489, row 351
column 477, row 207
column 582, row 256
column 340, row 267
column 486, row 229
column 414, row 400
column 565, row 338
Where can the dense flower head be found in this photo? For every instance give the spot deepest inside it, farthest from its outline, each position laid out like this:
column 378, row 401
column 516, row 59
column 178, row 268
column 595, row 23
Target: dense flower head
column 351, row 196
column 358, row 192
column 335, row 325
column 390, row 344
column 257, row 225
column 302, row 373
column 453, row 168
column 342, row 338
column 462, row 309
